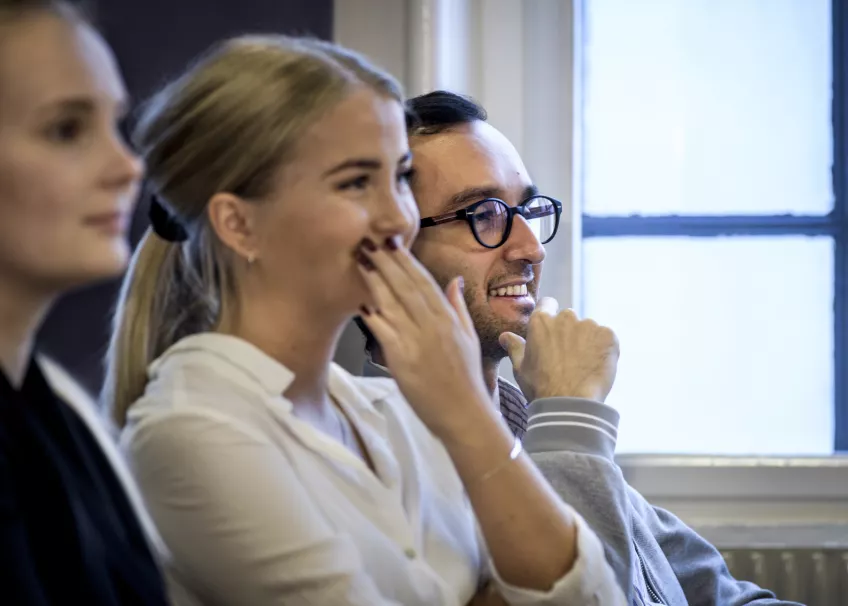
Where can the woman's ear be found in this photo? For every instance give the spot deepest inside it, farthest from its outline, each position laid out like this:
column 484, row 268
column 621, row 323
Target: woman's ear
column 234, row 221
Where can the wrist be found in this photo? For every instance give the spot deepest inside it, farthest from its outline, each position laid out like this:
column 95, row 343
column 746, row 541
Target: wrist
column 482, row 447
column 463, row 421
column 472, row 426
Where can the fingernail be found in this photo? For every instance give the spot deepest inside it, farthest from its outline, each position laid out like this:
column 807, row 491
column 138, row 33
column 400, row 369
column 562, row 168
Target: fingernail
column 391, row 244
column 460, row 281
column 368, row 245
column 364, row 310
column 364, row 261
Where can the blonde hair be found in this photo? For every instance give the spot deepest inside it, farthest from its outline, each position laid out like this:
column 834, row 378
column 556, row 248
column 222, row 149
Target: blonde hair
column 226, row 125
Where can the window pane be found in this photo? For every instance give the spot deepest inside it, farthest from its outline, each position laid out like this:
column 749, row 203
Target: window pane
column 707, row 107
column 726, row 343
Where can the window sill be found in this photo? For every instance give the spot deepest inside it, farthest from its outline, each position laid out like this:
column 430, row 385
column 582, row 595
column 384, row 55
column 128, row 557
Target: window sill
column 744, row 501
column 737, row 477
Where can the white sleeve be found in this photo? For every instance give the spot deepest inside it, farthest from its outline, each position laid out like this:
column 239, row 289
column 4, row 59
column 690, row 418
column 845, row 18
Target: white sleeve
column 590, row 582
column 240, row 526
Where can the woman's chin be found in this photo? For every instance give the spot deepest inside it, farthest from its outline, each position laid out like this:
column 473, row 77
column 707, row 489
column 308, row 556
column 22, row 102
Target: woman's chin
column 95, row 266
column 113, row 260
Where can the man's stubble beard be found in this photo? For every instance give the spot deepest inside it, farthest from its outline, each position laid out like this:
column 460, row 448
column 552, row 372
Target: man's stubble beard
column 489, row 327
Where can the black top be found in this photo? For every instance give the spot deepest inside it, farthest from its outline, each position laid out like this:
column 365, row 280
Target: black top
column 68, row 534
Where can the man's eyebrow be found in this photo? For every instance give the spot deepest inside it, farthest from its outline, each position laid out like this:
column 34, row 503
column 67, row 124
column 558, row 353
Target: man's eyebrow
column 469, row 196
column 474, row 194
column 530, row 191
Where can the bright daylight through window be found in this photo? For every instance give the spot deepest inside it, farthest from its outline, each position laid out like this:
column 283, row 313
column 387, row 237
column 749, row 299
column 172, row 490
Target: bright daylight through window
column 712, row 228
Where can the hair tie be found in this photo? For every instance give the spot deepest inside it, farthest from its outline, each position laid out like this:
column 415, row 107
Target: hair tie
column 165, row 225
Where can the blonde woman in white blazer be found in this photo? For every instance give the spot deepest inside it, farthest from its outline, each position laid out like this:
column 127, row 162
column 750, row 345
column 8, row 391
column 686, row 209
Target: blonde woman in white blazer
column 280, row 168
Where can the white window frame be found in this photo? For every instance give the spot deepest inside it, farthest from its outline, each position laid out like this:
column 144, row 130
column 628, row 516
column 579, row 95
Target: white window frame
column 518, row 58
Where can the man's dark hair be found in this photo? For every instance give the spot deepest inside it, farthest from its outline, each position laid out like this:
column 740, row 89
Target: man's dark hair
column 439, row 111
column 432, row 114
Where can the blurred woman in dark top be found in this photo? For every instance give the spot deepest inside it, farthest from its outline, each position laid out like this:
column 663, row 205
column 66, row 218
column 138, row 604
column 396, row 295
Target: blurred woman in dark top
column 71, row 531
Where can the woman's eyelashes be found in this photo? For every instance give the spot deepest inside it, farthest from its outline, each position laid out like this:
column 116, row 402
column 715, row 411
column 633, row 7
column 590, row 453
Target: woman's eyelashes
column 357, row 183
column 66, row 130
column 406, row 174
column 362, row 182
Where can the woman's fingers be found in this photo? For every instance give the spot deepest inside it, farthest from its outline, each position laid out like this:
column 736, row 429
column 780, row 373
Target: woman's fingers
column 385, row 300
column 383, row 330
column 414, row 286
column 454, row 292
column 405, row 291
column 421, row 279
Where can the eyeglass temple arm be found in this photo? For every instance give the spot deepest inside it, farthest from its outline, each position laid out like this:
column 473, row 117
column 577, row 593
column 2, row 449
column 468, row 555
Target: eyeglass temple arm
column 439, row 219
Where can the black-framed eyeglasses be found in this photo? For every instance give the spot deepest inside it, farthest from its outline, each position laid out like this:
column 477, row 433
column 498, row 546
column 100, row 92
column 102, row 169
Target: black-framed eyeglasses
column 490, row 220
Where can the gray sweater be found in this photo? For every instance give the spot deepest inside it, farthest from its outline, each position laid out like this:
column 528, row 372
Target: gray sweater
column 656, row 557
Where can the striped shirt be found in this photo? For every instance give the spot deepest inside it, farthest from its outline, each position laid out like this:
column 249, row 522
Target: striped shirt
column 513, row 407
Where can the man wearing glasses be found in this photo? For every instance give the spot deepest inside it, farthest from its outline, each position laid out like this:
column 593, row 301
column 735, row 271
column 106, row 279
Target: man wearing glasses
column 483, row 219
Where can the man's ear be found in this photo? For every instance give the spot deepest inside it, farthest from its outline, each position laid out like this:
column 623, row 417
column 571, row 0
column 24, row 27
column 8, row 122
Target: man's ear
column 234, row 222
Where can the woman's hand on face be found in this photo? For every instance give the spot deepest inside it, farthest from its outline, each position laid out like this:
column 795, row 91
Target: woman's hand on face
column 427, row 338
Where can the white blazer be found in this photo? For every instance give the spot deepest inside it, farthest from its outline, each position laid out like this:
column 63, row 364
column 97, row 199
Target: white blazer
column 259, row 508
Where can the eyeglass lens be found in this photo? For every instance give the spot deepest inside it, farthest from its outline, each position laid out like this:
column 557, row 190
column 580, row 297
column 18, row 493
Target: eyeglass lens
column 491, row 219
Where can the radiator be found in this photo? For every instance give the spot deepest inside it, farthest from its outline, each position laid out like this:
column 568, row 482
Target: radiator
column 815, row 577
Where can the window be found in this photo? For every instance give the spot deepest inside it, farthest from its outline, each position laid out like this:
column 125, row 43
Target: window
column 715, row 230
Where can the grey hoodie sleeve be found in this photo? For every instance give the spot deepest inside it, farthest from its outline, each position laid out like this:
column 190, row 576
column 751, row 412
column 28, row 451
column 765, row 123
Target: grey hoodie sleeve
column 699, row 567
column 573, row 442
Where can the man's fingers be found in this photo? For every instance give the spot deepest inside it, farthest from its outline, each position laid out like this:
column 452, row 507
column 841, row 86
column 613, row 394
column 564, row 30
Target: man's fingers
column 514, row 346
column 548, row 305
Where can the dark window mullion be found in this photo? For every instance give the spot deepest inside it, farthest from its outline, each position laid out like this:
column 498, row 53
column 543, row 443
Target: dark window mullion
column 840, row 188
column 712, row 226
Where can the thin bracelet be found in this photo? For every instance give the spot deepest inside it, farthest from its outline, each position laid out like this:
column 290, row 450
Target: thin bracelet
column 517, row 447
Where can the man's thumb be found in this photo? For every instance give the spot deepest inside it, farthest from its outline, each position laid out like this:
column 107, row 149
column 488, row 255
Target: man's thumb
column 514, row 346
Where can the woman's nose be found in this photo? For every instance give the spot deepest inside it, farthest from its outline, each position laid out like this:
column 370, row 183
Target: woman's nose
column 398, row 216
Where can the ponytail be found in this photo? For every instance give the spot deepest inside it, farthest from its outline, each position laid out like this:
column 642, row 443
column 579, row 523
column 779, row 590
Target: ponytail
column 165, row 297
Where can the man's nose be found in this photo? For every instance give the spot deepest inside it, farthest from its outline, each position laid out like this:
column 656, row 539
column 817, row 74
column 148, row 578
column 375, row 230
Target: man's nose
column 523, row 244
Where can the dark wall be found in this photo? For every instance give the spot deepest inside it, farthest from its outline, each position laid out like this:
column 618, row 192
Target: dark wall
column 154, row 39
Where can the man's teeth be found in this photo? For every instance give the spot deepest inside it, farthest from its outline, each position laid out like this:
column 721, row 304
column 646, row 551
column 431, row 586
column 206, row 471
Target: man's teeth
column 518, row 290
